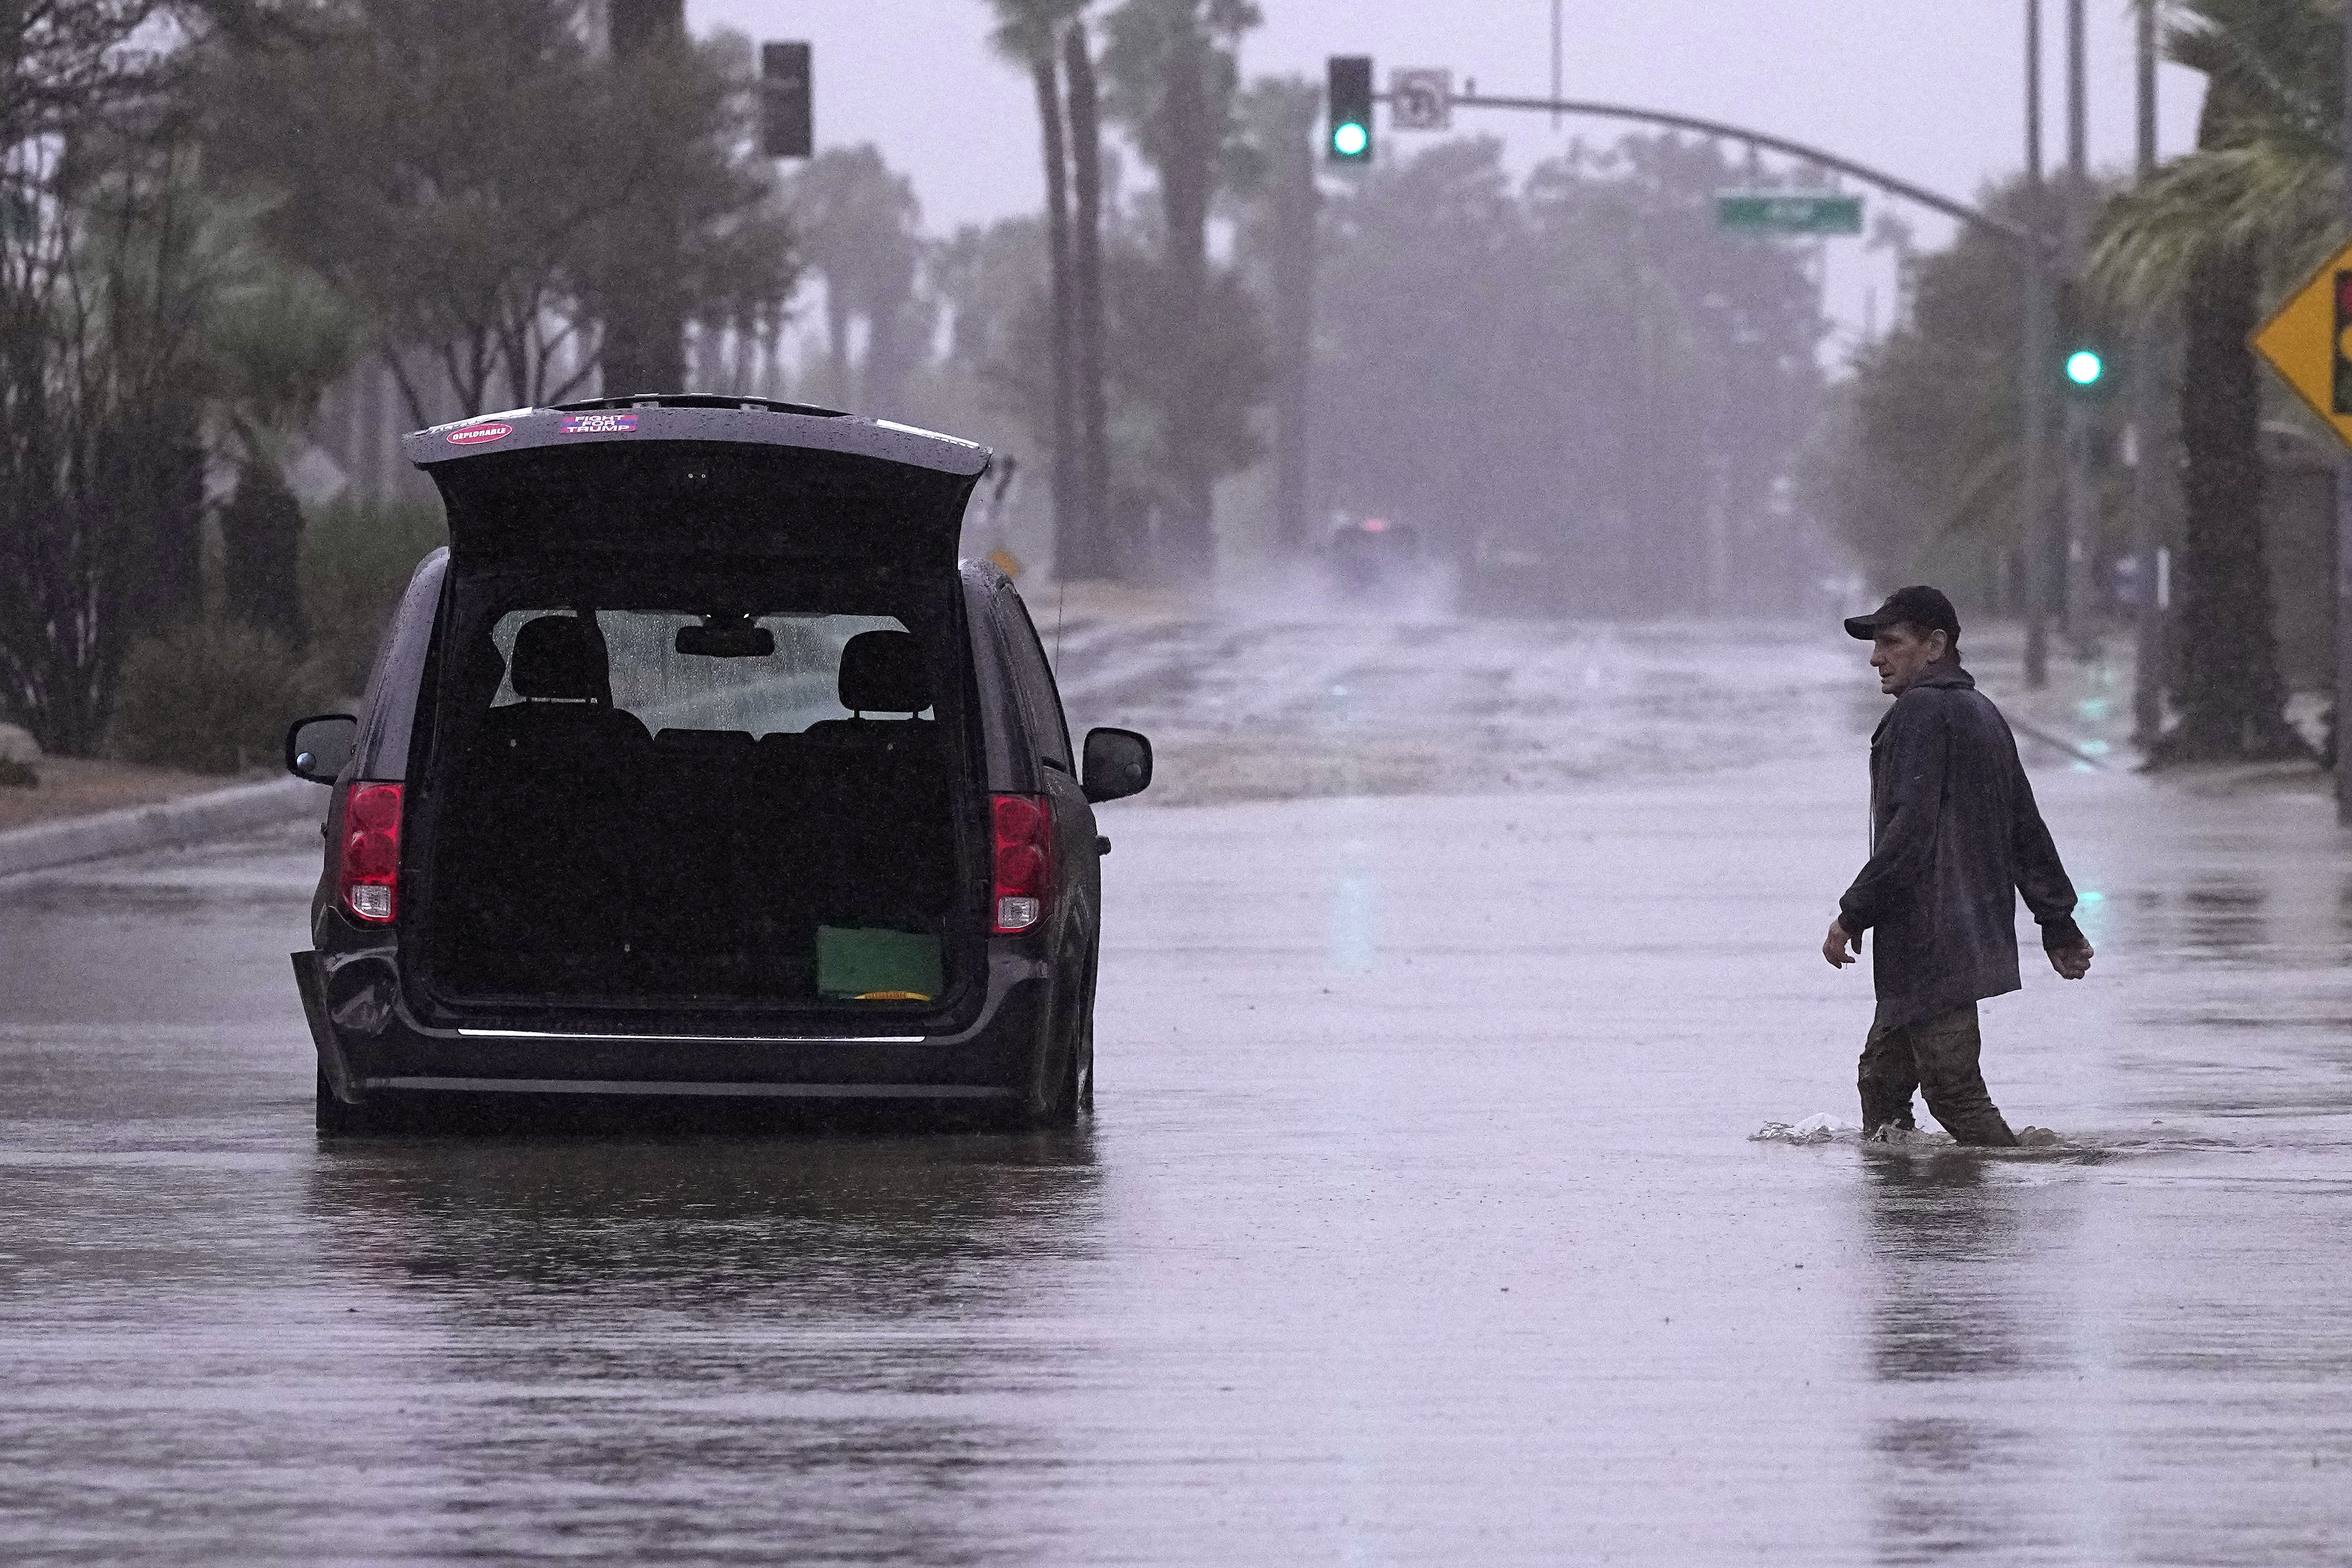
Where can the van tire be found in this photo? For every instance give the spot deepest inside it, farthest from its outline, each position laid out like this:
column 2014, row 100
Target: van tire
column 1086, row 1067
column 1064, row 1110
column 334, row 1117
column 1053, row 1099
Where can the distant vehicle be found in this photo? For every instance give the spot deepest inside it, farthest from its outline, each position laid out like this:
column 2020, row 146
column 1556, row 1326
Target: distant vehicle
column 697, row 768
column 1373, row 558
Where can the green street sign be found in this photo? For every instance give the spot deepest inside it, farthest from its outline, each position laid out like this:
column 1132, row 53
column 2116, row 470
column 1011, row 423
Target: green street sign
column 1787, row 213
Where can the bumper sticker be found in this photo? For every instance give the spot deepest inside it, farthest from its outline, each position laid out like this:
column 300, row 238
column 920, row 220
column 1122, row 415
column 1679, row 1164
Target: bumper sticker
column 598, row 423
column 475, row 434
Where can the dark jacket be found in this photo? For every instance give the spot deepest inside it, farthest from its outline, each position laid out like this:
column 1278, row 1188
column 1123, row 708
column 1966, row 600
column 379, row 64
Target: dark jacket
column 1954, row 838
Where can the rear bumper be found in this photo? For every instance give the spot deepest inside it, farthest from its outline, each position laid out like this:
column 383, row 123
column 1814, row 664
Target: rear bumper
column 370, row 1045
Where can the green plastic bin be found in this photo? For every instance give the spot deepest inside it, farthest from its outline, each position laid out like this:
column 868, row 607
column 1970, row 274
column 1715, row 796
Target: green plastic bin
column 863, row 963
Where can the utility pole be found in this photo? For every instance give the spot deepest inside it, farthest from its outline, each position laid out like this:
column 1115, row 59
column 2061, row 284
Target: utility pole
column 2344, row 505
column 1555, row 62
column 2034, row 520
column 2079, row 554
column 2146, row 395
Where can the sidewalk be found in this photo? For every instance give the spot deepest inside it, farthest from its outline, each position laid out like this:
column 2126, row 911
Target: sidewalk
column 2087, row 708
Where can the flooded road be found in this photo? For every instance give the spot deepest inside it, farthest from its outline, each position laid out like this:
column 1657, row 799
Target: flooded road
column 1418, row 1220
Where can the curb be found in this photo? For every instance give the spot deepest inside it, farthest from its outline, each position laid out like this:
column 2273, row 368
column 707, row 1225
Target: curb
column 172, row 824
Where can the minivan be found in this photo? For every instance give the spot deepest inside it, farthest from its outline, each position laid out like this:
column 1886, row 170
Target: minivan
column 697, row 768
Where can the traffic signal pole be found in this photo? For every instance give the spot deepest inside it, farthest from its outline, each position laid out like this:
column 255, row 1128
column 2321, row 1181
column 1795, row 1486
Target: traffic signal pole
column 2078, row 554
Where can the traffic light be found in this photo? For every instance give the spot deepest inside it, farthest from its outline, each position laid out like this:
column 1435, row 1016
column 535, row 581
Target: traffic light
column 2084, row 367
column 1348, row 93
column 787, row 119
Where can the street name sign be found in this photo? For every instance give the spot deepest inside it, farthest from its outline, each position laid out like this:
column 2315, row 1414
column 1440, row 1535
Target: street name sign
column 1421, row 97
column 2309, row 344
column 1787, row 212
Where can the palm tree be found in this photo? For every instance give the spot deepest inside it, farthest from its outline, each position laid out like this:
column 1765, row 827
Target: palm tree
column 1280, row 115
column 1174, row 75
column 859, row 222
column 2261, row 188
column 1030, row 33
column 278, row 338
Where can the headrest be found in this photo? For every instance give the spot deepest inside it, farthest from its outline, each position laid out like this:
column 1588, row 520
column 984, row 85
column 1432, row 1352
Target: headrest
column 882, row 672
column 561, row 657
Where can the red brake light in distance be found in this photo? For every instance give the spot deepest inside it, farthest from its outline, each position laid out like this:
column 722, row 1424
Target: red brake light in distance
column 368, row 873
column 1025, row 846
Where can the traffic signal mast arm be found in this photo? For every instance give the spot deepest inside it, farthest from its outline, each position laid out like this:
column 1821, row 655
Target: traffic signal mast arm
column 2018, row 234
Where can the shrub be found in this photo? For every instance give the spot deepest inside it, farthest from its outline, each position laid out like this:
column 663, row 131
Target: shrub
column 357, row 558
column 211, row 697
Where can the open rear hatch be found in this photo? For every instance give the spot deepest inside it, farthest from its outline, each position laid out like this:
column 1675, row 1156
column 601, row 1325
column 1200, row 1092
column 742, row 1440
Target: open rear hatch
column 702, row 478
column 701, row 735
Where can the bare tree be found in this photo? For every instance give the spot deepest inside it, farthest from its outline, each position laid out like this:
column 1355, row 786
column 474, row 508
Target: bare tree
column 100, row 318
column 101, row 326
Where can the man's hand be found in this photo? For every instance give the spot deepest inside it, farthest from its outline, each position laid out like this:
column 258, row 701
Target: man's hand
column 1835, row 946
column 2072, row 963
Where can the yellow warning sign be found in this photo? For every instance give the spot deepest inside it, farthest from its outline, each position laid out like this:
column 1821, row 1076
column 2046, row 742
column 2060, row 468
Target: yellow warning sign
column 2309, row 344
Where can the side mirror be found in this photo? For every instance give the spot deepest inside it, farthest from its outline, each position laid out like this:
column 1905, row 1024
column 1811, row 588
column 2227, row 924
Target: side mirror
column 1117, row 764
column 318, row 748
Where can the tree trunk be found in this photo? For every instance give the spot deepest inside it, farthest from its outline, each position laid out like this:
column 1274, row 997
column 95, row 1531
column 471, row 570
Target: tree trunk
column 1057, row 246
column 1187, row 179
column 1081, row 547
column 644, row 346
column 2232, row 703
column 261, row 543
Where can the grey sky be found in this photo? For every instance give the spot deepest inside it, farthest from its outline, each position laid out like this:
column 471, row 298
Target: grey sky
column 1930, row 91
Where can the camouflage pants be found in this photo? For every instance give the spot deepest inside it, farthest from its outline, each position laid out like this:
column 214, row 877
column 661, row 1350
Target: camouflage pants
column 1938, row 1057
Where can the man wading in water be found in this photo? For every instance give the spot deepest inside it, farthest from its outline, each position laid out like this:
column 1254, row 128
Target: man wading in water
column 1954, row 838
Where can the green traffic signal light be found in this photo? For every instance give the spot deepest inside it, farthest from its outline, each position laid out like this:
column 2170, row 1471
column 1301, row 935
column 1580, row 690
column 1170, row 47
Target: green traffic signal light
column 2085, row 367
column 1347, row 99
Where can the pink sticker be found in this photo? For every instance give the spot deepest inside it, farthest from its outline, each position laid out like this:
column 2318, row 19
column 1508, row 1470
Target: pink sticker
column 475, row 434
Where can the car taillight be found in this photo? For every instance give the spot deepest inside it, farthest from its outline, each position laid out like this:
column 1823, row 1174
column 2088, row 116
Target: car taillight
column 1024, row 860
column 369, row 872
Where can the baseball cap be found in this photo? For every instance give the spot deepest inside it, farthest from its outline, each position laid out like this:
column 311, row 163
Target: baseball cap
column 1923, row 607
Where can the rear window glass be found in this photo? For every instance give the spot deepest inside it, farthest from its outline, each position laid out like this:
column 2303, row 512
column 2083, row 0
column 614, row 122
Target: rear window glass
column 782, row 693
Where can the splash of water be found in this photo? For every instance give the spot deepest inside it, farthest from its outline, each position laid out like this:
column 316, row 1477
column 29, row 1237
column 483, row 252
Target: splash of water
column 1820, row 1127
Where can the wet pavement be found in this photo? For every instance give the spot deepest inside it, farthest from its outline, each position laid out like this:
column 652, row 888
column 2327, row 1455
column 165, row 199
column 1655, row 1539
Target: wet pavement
column 1418, row 1221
